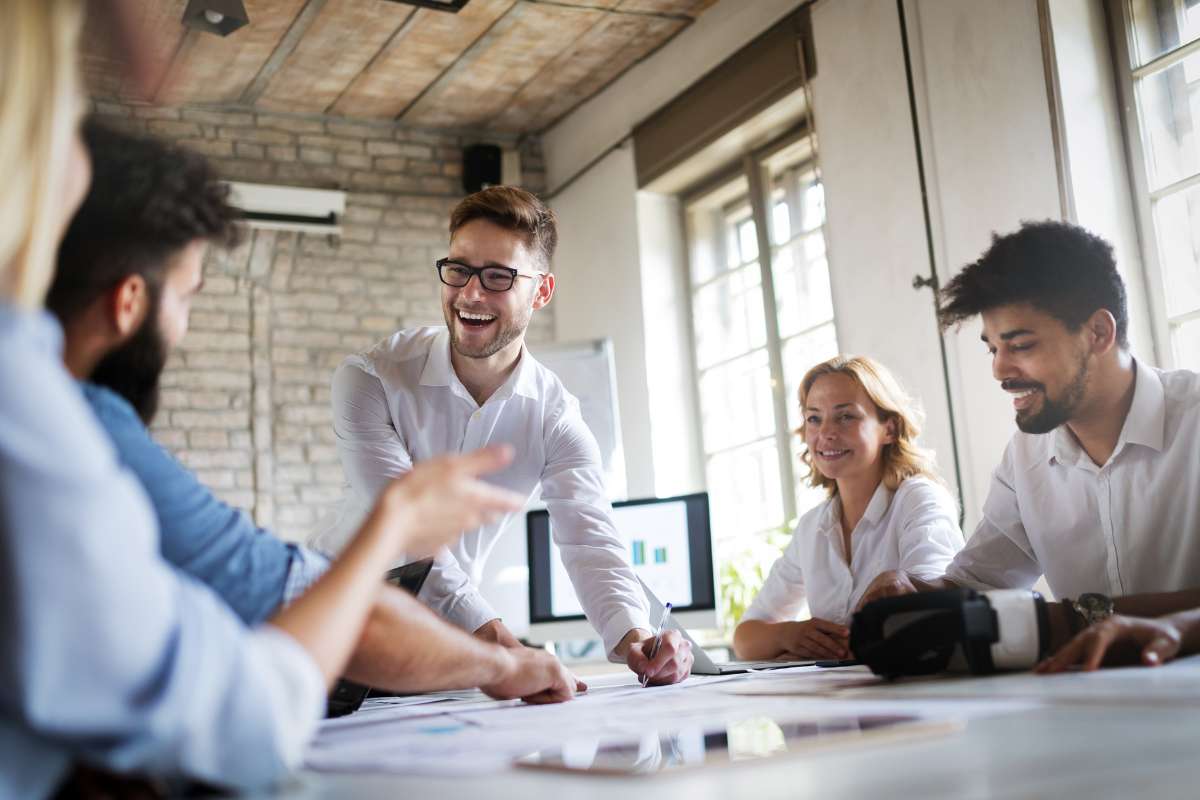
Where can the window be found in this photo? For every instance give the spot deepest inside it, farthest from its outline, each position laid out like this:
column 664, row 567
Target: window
column 1161, row 48
column 762, row 315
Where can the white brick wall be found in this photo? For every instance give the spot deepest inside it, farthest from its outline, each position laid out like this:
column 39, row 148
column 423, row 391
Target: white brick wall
column 246, row 398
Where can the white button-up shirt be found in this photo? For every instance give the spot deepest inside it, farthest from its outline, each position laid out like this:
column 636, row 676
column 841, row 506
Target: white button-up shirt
column 1130, row 526
column 914, row 529
column 401, row 402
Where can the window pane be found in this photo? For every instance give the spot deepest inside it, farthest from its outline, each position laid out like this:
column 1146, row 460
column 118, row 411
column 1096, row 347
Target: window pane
column 747, row 239
column 800, row 354
column 1161, row 26
column 802, row 293
column 735, row 402
column 728, row 316
column 1185, row 341
column 781, row 223
column 1177, row 222
column 814, row 206
column 743, row 485
column 1169, row 103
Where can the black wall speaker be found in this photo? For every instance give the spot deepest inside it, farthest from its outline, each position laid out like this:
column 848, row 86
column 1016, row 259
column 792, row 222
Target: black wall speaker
column 481, row 167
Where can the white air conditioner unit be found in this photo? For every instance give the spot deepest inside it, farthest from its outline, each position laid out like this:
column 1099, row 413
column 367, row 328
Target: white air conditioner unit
column 289, row 208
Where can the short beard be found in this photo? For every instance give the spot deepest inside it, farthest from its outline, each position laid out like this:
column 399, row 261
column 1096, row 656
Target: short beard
column 1057, row 412
column 503, row 338
column 133, row 370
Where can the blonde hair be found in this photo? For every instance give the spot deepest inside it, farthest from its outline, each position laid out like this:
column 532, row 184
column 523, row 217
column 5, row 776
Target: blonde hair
column 39, row 110
column 903, row 458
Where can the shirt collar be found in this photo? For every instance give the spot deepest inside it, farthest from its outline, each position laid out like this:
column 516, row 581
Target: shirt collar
column 1144, row 424
column 439, row 371
column 877, row 509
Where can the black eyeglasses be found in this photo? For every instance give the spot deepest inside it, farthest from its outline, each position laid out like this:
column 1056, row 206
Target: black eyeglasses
column 494, row 279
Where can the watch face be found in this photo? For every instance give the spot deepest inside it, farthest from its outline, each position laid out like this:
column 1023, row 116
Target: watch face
column 1095, row 607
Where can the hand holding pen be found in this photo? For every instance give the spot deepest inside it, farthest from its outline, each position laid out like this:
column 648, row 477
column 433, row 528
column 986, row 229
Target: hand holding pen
column 657, row 642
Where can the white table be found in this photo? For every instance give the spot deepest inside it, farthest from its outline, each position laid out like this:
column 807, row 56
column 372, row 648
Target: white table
column 1117, row 733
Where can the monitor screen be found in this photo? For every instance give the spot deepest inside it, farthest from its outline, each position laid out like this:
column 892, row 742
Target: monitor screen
column 667, row 542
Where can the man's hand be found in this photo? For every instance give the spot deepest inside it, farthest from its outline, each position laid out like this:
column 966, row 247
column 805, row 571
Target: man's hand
column 535, row 676
column 1122, row 639
column 496, row 632
column 440, row 498
column 815, row 638
column 892, row 583
column 672, row 661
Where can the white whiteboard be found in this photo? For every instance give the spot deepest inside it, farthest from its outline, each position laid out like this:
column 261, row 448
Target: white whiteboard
column 588, row 371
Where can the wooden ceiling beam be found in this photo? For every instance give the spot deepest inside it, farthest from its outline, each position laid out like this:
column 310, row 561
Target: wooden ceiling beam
column 287, row 45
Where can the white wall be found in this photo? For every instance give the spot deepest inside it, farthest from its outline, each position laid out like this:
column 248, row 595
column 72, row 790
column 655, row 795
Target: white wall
column 673, row 413
column 599, row 293
column 876, row 230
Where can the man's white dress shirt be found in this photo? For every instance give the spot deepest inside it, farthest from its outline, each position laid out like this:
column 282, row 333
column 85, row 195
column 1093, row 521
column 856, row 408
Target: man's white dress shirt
column 1128, row 527
column 401, row 402
column 914, row 529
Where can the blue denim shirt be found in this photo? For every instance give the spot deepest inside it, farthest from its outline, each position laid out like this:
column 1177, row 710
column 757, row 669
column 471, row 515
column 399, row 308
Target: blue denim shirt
column 252, row 570
column 108, row 654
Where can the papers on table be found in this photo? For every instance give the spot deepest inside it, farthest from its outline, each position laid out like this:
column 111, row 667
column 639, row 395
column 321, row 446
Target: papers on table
column 464, row 736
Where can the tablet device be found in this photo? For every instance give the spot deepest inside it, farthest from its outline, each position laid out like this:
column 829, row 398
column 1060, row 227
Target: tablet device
column 747, row 740
column 347, row 696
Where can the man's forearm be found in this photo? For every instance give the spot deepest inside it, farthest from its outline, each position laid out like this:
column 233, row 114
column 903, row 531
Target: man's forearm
column 1158, row 604
column 407, row 648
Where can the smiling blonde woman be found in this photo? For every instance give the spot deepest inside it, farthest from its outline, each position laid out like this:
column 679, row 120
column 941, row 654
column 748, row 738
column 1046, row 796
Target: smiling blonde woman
column 886, row 507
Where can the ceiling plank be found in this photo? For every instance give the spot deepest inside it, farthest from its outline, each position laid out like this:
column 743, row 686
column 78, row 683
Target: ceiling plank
column 219, row 69
column 342, row 40
column 481, row 84
column 416, row 57
column 282, row 52
column 160, row 29
column 690, row 8
column 585, row 68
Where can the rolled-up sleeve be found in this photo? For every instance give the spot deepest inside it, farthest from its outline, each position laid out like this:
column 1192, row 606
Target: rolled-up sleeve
column 929, row 534
column 110, row 654
column 580, row 518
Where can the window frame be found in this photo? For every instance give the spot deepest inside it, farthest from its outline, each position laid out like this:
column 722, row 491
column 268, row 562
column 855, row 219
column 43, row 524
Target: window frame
column 1122, row 33
column 754, row 168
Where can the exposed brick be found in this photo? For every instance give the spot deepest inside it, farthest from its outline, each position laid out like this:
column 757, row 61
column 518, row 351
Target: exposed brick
column 240, row 119
column 281, row 153
column 246, row 398
column 316, row 155
column 173, row 129
column 248, row 150
column 256, row 135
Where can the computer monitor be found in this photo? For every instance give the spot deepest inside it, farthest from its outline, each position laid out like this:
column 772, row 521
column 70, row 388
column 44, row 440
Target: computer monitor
column 668, row 542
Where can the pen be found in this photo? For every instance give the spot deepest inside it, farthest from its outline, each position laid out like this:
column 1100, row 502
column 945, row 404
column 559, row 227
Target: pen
column 657, row 639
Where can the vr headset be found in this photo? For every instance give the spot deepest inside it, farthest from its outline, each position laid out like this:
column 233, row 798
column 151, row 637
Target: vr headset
column 957, row 630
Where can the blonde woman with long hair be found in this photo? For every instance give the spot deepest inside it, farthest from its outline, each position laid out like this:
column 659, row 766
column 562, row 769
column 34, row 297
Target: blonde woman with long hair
column 886, row 509
column 111, row 658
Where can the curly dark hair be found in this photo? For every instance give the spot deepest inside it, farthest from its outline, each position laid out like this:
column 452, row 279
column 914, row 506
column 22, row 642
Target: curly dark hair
column 1056, row 267
column 147, row 201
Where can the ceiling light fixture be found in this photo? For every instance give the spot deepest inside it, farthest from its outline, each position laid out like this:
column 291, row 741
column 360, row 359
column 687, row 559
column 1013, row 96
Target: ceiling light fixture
column 453, row 6
column 221, row 17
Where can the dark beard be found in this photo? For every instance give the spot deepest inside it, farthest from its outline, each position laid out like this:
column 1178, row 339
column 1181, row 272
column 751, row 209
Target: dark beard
column 1057, row 412
column 133, row 370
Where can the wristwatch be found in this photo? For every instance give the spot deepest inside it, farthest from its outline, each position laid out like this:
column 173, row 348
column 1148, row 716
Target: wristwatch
column 1092, row 607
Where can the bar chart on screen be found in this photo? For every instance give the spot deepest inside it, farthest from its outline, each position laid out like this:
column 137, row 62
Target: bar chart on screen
column 656, row 546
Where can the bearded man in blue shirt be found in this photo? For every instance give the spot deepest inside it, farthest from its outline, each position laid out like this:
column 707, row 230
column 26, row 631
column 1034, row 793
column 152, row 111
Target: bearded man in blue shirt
column 128, row 269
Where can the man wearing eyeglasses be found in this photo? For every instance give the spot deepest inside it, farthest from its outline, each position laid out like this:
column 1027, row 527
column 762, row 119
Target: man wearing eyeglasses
column 429, row 391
